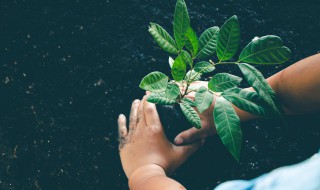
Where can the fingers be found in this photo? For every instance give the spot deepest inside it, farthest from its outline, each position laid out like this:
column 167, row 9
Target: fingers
column 189, row 136
column 122, row 128
column 151, row 114
column 122, row 131
column 134, row 114
column 186, row 150
column 191, row 95
column 141, row 116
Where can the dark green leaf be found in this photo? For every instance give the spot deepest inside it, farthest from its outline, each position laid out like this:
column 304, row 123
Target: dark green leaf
column 172, row 91
column 160, row 98
column 265, row 50
column 189, row 101
column 204, row 67
column 154, row 82
column 203, row 99
column 191, row 115
column 246, row 100
column 228, row 126
column 228, row 39
column 187, row 58
column 192, row 43
column 181, row 23
column 179, row 68
column 223, row 81
column 208, row 42
column 260, row 85
column 163, row 39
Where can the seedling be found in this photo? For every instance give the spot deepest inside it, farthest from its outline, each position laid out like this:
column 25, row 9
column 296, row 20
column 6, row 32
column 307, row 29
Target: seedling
column 192, row 54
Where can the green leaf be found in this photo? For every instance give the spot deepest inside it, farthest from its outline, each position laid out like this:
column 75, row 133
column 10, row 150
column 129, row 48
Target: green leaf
column 203, row 99
column 260, row 85
column 154, row 82
column 160, row 98
column 187, row 58
column 164, row 40
column 181, row 23
column 191, row 115
column 228, row 126
column 208, row 42
column 189, row 101
column 192, row 75
column 179, row 68
column 170, row 62
column 204, row 67
column 193, row 88
column 228, row 39
column 192, row 42
column 172, row 91
column 246, row 100
column 223, row 81
column 265, row 50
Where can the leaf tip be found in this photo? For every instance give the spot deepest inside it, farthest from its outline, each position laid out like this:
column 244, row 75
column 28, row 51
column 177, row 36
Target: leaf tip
column 235, row 17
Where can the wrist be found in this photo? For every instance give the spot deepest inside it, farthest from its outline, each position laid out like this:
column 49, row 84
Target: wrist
column 143, row 174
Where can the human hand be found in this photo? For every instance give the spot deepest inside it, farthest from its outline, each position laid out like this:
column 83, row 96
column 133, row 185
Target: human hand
column 146, row 144
column 208, row 128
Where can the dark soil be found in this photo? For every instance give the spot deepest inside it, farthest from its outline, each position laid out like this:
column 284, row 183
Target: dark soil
column 69, row 67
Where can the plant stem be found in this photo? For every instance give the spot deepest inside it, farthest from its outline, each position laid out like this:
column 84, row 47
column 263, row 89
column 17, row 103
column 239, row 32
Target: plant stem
column 190, row 81
column 224, row 63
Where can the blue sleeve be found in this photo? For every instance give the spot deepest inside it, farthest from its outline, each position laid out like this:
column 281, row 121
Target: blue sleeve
column 305, row 175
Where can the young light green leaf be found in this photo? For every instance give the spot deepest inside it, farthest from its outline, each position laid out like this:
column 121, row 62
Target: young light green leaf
column 260, row 85
column 189, row 101
column 164, row 40
column 203, row 99
column 208, row 42
column 160, row 98
column 181, row 23
column 187, row 58
column 265, row 50
column 193, row 88
column 192, row 75
column 228, row 126
column 246, row 100
column 179, row 67
column 223, row 81
column 172, row 91
column 228, row 39
column 204, row 67
column 154, row 82
column 170, row 61
column 192, row 43
column 191, row 115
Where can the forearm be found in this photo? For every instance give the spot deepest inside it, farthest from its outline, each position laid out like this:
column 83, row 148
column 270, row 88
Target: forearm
column 297, row 87
column 152, row 177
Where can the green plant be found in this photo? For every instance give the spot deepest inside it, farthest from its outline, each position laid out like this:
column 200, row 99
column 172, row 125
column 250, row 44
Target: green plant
column 223, row 42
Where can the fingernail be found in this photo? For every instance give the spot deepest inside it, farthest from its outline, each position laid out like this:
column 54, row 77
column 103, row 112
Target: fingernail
column 121, row 116
column 178, row 140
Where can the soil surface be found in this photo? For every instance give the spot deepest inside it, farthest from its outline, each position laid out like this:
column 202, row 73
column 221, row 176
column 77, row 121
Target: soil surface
column 69, row 67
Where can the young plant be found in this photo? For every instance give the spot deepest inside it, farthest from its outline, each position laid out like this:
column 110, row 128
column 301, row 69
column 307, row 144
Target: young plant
column 192, row 54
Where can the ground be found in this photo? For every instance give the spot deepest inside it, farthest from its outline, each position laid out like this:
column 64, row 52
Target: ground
column 68, row 68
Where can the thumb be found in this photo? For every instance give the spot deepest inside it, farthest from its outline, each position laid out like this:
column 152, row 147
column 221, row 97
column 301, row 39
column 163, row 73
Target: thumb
column 188, row 136
column 187, row 150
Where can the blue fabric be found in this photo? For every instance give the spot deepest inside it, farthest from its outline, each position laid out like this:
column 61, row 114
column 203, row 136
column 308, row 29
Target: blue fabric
column 302, row 176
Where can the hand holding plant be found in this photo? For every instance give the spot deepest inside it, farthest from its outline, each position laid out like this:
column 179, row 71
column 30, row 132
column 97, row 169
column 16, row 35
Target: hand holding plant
column 145, row 143
column 192, row 54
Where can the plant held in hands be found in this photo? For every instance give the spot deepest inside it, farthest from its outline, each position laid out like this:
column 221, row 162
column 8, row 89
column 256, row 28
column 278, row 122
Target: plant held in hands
column 192, row 54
